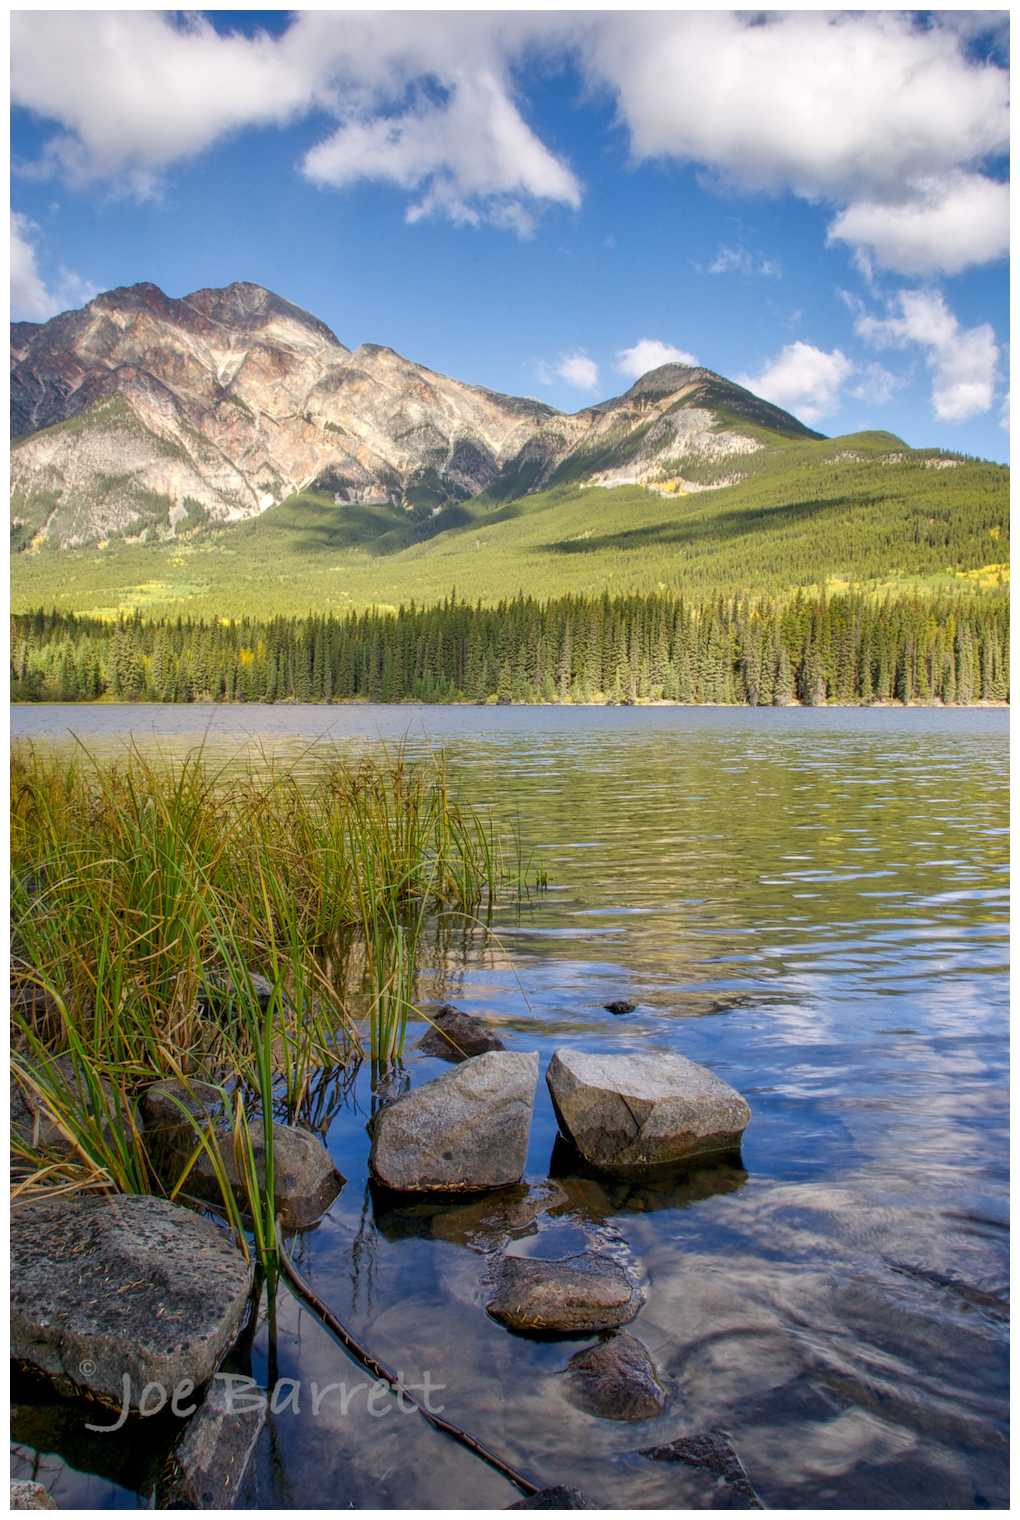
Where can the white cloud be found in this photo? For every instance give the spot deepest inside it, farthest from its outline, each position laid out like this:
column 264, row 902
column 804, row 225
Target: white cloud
column 963, row 360
column 878, row 113
column 952, row 221
column 423, row 101
column 739, row 261
column 860, row 109
column 579, row 371
column 31, row 301
column 878, row 385
column 804, row 379
column 648, row 354
column 1004, row 414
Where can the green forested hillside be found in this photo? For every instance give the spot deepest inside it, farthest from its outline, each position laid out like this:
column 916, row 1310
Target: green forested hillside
column 859, row 511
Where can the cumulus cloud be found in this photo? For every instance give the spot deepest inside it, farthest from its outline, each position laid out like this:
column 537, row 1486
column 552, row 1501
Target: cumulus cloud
column 859, row 109
column 423, row 101
column 886, row 117
column 579, row 371
column 804, row 379
column 963, row 360
column 951, row 222
column 648, row 354
column 31, row 300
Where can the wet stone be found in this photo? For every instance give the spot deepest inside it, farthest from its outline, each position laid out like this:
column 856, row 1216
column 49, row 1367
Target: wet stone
column 615, row 1380
column 465, row 1130
column 620, row 1005
column 633, row 1111
column 211, row 1465
column 305, row 1179
column 107, row 1286
column 26, row 1495
column 456, row 1035
column 579, row 1294
column 560, row 1496
column 161, row 1104
column 712, row 1454
column 489, row 1224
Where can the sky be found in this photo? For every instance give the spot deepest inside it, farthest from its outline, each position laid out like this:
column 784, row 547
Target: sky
column 551, row 203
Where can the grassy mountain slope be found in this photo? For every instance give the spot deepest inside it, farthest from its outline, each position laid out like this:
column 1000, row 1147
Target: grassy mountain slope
column 862, row 509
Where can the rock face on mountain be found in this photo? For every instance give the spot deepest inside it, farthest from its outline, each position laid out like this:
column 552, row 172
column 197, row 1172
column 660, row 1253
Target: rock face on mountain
column 140, row 414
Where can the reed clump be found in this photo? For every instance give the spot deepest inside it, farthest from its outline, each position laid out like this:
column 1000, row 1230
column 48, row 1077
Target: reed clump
column 253, row 926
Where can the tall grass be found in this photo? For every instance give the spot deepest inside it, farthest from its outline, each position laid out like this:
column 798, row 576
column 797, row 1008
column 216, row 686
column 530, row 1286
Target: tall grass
column 148, row 892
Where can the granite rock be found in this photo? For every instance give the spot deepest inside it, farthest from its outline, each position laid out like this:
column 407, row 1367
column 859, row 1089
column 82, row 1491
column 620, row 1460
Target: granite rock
column 580, row 1294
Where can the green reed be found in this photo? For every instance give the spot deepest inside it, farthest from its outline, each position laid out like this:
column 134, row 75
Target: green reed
column 147, row 890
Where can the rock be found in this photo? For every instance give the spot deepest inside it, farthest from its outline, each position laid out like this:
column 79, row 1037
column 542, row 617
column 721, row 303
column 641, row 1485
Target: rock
column 210, row 1462
column 108, row 1286
column 30, row 1496
column 218, row 992
column 561, row 1496
column 712, row 1453
column 305, row 1180
column 620, row 1006
column 466, row 1129
column 581, row 1293
column 456, row 1035
column 36, row 1121
column 615, row 1380
column 160, row 1104
column 632, row 1111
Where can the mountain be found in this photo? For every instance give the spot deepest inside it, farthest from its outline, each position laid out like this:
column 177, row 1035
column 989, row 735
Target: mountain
column 140, row 417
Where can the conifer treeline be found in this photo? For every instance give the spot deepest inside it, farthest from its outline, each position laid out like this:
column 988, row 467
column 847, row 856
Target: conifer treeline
column 845, row 648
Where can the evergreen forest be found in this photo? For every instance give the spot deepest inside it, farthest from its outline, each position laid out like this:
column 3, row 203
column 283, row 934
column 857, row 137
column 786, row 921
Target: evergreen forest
column 814, row 649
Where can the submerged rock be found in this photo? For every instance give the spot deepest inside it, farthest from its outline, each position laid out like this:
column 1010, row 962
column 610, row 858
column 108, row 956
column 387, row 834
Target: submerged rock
column 456, row 1035
column 104, row 1287
column 615, row 1380
column 305, row 1179
column 632, row 1111
column 621, row 1005
column 26, row 1495
column 466, row 1129
column 560, row 1496
column 211, row 1461
column 579, row 1294
column 712, row 1453
column 489, row 1224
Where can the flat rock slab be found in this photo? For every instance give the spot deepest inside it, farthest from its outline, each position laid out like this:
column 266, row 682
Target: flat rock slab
column 212, row 1459
column 30, row 1496
column 106, row 1286
column 456, row 1036
column 560, row 1496
column 628, row 1112
column 465, row 1130
column 579, row 1294
column 615, row 1380
column 305, row 1179
column 712, row 1454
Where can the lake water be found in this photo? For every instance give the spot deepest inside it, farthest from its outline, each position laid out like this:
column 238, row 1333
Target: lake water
column 812, row 903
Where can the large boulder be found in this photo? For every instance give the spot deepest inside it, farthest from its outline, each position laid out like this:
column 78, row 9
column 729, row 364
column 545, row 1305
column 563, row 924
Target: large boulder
column 615, row 1380
column 456, row 1035
column 632, row 1111
column 466, row 1129
column 104, row 1287
column 212, row 1460
column 305, row 1179
column 578, row 1295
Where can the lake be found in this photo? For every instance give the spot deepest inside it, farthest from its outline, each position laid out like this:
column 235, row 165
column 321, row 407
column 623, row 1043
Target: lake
column 812, row 903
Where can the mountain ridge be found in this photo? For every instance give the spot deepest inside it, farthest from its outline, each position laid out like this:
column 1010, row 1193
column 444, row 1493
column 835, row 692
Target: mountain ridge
column 143, row 412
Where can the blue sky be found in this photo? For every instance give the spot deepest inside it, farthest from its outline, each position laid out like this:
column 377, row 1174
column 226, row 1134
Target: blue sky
column 550, row 203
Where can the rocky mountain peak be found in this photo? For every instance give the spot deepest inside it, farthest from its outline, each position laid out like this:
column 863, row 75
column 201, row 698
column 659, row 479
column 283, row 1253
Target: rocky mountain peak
column 219, row 404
